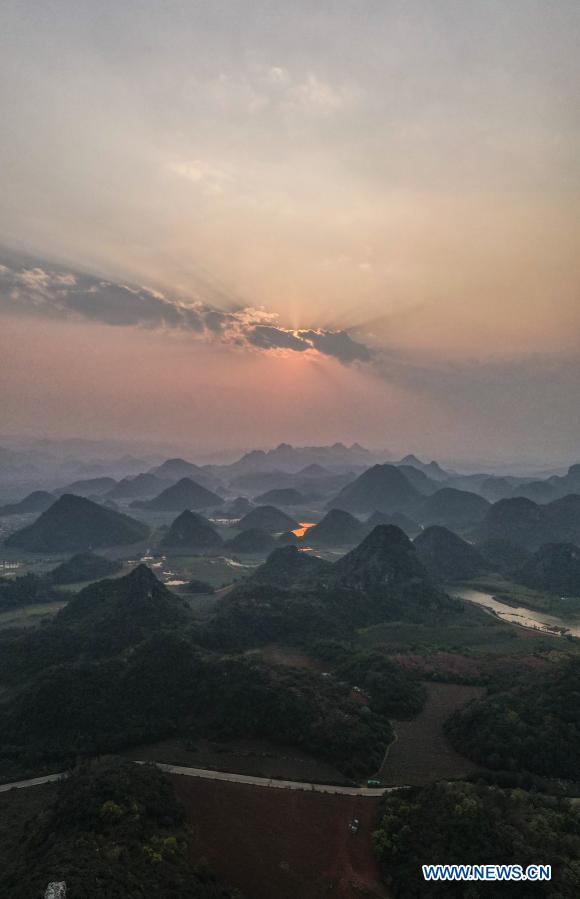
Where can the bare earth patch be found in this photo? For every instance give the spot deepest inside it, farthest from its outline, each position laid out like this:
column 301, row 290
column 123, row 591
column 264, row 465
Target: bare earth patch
column 279, row 655
column 421, row 752
column 283, row 844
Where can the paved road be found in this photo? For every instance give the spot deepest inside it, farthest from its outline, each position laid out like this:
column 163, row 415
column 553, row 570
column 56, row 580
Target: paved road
column 33, row 782
column 273, row 782
column 206, row 774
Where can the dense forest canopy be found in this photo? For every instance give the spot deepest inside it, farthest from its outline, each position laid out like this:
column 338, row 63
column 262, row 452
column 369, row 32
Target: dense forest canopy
column 476, row 824
column 124, row 663
column 114, row 830
column 533, row 725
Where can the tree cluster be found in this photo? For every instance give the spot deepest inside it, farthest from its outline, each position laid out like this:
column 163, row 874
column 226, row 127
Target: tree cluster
column 477, row 824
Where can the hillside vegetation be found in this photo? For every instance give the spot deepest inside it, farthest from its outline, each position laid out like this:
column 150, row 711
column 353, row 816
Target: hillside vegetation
column 477, row 824
column 114, row 830
column 533, row 725
column 123, row 664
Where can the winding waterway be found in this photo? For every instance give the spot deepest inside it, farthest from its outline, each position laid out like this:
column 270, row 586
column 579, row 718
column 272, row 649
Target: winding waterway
column 519, row 614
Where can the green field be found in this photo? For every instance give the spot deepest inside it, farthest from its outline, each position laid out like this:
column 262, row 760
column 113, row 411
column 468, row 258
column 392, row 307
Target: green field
column 472, row 630
column 29, row 616
column 216, row 570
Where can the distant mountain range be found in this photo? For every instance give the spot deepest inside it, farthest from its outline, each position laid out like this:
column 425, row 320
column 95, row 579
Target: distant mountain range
column 313, row 479
column 49, row 462
column 432, row 469
column 173, row 470
column 552, row 488
column 292, row 459
column 88, row 488
column 261, row 481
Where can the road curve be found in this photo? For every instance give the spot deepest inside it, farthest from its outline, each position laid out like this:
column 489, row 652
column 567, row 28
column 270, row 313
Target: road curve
column 206, row 774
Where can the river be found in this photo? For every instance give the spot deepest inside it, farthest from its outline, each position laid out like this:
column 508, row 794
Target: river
column 520, row 614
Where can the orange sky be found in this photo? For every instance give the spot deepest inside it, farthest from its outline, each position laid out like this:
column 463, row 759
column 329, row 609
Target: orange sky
column 359, row 221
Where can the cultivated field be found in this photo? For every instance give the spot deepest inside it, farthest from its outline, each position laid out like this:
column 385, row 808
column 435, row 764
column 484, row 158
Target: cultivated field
column 459, row 668
column 283, row 844
column 421, row 752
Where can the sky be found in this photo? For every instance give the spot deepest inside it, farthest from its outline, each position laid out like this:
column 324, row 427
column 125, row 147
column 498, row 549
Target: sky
column 237, row 222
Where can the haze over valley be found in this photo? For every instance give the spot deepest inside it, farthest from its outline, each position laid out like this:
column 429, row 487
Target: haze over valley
column 289, row 615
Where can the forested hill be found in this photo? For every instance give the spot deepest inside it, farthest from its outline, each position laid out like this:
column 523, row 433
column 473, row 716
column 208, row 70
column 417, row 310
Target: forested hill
column 76, row 524
column 295, row 596
column 114, row 831
column 531, row 726
column 124, row 663
column 463, row 823
column 102, row 620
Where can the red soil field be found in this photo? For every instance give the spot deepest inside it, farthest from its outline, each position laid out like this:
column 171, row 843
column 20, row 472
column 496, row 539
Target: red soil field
column 283, row 844
column 454, row 666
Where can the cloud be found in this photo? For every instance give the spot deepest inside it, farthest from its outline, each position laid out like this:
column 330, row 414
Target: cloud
column 54, row 292
column 277, row 75
column 275, row 89
column 528, row 403
column 209, row 178
column 339, row 344
column 316, row 95
column 268, row 337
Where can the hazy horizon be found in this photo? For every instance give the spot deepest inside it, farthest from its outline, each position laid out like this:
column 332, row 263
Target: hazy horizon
column 104, row 449
column 242, row 223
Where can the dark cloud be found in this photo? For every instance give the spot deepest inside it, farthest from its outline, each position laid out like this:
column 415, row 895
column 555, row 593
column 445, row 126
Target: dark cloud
column 56, row 292
column 35, row 288
column 193, row 320
column 268, row 337
column 115, row 304
column 338, row 344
